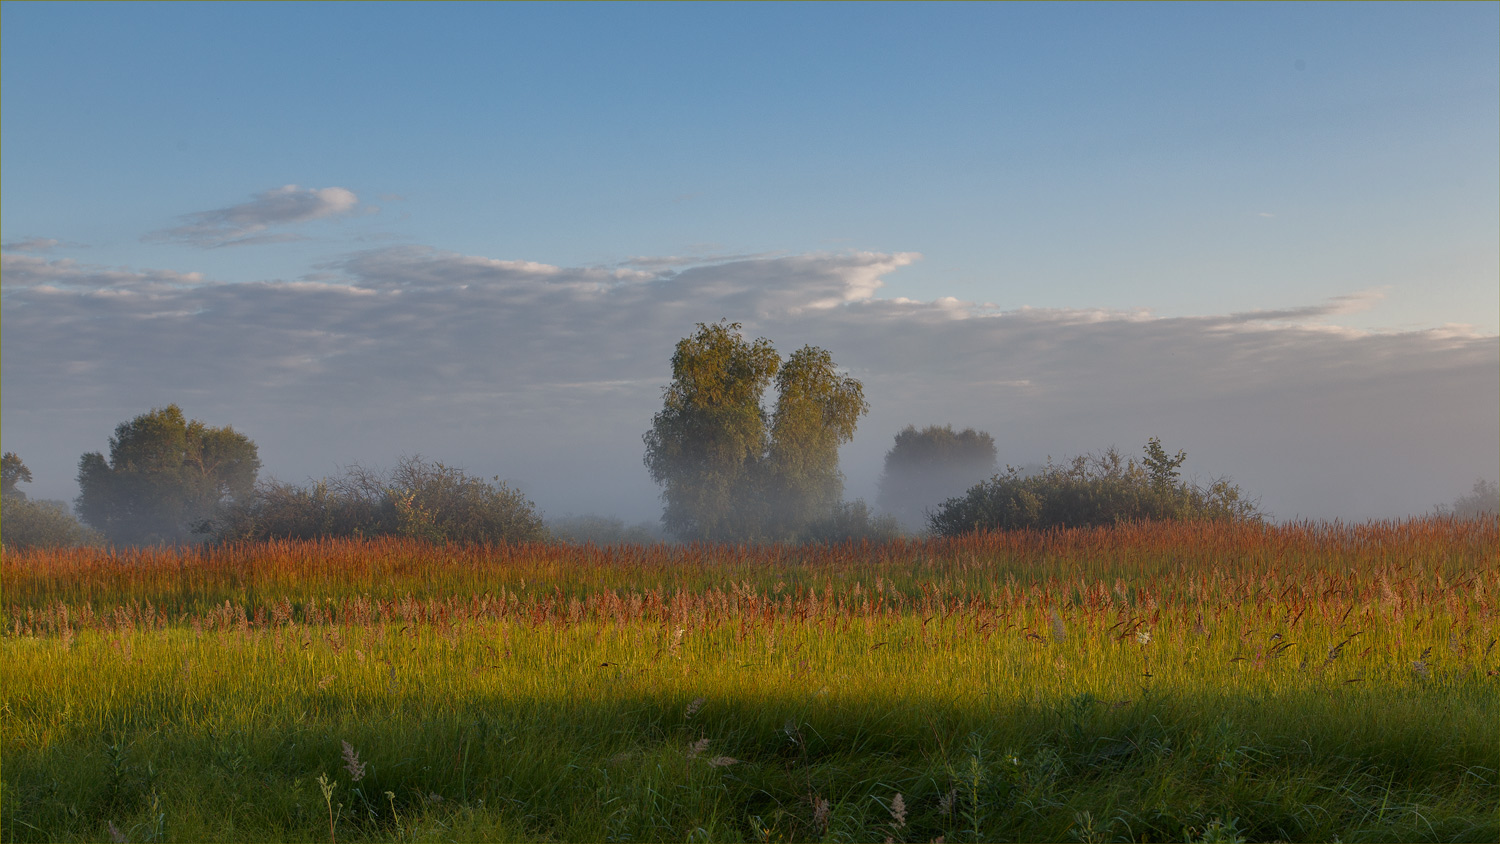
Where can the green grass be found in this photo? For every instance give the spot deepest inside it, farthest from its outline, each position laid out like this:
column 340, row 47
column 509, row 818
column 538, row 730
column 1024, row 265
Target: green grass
column 1347, row 692
column 581, row 732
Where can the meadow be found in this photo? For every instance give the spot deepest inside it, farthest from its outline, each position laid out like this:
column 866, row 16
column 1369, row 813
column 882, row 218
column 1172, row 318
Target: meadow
column 1153, row 682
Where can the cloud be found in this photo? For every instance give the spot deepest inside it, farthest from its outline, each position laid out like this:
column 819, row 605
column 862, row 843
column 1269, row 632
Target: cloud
column 28, row 271
column 666, row 262
column 241, row 225
column 1350, row 303
column 548, row 375
column 32, row 244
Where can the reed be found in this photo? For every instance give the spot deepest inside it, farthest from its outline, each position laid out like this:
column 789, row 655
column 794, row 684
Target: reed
column 1184, row 682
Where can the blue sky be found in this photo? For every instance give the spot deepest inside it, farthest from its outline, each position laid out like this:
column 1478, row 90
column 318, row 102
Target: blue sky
column 1102, row 164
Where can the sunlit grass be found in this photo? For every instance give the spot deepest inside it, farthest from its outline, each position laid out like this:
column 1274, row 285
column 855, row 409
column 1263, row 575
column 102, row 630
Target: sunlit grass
column 1141, row 684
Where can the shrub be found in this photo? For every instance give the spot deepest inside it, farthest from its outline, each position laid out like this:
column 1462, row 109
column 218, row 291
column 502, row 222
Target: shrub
column 851, row 521
column 417, row 499
column 1481, row 502
column 1093, row 490
column 603, row 530
column 27, row 523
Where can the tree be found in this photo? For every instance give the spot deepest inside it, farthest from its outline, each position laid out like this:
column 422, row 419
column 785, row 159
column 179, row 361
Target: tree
column 1162, row 470
column 816, row 412
column 704, row 444
column 1481, row 502
column 925, row 467
column 12, row 471
column 727, row 472
column 165, row 476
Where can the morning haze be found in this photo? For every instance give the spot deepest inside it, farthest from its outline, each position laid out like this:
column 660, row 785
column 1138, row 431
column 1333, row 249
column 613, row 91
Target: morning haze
column 1253, row 233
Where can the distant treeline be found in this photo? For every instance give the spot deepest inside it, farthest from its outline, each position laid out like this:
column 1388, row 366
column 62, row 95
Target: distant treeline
column 168, row 480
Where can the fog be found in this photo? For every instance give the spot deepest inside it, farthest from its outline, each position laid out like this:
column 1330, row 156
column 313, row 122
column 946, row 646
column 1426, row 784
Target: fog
column 548, row 376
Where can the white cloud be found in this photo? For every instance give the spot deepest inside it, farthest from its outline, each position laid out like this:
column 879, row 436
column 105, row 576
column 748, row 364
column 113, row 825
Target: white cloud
column 548, row 375
column 244, row 224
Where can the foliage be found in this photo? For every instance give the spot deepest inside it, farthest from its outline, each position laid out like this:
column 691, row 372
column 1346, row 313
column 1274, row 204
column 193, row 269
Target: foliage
column 728, row 474
column 1161, row 470
column 851, row 522
column 30, row 523
column 27, row 523
column 925, row 467
column 1100, row 489
column 12, row 472
column 602, row 530
column 1483, row 501
column 816, row 412
column 706, row 444
column 417, row 499
column 164, row 478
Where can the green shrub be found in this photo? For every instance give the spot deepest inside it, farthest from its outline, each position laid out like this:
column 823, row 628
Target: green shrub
column 1092, row 490
column 26, row 523
column 418, row 499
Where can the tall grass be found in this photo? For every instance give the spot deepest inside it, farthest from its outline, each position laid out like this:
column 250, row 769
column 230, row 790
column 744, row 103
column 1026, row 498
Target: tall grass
column 1138, row 683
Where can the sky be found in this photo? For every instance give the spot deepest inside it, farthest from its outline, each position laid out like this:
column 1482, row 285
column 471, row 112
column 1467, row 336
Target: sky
column 1267, row 233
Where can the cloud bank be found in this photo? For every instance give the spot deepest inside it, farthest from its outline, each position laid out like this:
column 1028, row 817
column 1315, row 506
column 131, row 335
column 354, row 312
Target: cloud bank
column 247, row 223
column 548, row 375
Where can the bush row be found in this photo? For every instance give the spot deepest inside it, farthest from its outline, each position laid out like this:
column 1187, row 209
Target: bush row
column 1092, row 490
column 417, row 499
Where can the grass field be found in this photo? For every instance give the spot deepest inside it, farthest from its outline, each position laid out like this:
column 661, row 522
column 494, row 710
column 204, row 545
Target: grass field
column 1206, row 682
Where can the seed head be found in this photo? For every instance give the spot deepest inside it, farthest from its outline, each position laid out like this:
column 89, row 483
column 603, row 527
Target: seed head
column 945, row 803
column 820, row 813
column 898, row 811
column 352, row 764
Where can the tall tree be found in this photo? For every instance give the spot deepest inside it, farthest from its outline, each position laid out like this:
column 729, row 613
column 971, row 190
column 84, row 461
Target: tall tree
column 164, row 475
column 704, row 445
column 926, row 467
column 12, row 472
column 816, row 412
column 726, row 471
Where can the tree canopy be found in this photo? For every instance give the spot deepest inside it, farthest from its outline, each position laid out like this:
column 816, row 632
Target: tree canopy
column 925, row 467
column 816, row 412
column 12, row 472
column 165, row 476
column 729, row 472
